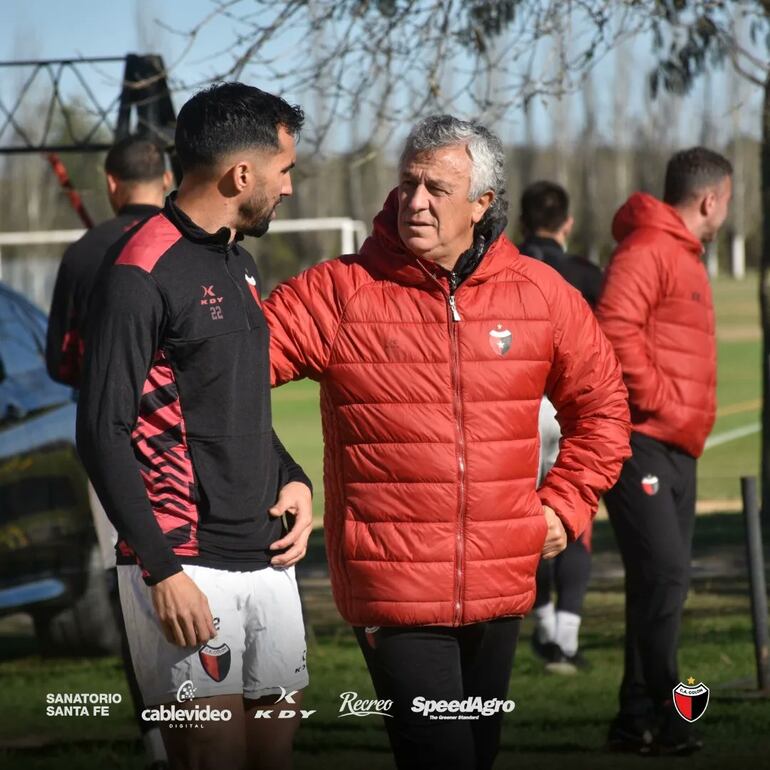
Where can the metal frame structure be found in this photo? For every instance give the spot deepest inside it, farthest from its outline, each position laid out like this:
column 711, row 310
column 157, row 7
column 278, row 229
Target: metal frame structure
column 144, row 89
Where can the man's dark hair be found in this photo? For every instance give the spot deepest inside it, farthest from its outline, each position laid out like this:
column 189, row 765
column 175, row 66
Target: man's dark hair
column 228, row 117
column 544, row 206
column 135, row 159
column 690, row 172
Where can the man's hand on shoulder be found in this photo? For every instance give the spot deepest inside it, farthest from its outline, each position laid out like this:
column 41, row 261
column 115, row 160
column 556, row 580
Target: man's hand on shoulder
column 556, row 537
column 183, row 611
column 297, row 499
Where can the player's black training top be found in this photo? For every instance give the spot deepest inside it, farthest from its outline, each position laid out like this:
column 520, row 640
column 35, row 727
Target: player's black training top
column 74, row 283
column 174, row 420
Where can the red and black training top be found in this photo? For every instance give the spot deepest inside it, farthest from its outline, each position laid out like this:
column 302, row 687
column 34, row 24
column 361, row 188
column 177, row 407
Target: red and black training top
column 174, row 419
column 74, row 283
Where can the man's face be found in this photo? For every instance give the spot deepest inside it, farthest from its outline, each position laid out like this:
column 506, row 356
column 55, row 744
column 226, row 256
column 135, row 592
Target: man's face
column 269, row 183
column 717, row 204
column 435, row 217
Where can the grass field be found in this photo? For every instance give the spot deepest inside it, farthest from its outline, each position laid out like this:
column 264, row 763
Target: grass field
column 558, row 721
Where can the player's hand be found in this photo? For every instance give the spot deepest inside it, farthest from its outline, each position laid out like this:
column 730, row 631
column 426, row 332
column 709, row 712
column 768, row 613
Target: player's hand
column 556, row 537
column 294, row 498
column 183, row 611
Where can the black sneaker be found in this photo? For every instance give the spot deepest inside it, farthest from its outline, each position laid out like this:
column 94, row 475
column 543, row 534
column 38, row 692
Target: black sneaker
column 629, row 734
column 548, row 652
column 578, row 660
column 674, row 737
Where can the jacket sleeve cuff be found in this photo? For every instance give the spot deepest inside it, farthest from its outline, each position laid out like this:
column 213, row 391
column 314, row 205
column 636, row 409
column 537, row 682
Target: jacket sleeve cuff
column 573, row 525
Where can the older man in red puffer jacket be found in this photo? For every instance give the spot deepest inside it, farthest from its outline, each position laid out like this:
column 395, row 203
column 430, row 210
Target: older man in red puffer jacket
column 657, row 311
column 434, row 346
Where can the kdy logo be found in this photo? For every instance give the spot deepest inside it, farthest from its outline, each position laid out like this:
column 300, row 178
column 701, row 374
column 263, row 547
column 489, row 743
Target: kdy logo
column 691, row 700
column 650, row 484
column 285, row 697
column 500, row 340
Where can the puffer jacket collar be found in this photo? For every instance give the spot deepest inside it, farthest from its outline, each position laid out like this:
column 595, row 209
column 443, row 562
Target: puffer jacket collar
column 384, row 252
column 645, row 211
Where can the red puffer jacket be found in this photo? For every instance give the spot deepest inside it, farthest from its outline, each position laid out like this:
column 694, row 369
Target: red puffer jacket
column 657, row 311
column 431, row 424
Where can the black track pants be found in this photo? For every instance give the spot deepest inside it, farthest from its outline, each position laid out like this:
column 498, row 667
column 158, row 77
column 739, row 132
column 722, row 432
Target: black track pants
column 569, row 574
column 441, row 663
column 652, row 510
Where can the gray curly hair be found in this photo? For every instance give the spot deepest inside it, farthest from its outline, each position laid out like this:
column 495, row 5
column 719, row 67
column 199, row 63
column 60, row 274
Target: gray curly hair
column 484, row 148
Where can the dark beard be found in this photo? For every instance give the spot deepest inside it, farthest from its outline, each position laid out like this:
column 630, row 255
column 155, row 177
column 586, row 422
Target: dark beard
column 254, row 220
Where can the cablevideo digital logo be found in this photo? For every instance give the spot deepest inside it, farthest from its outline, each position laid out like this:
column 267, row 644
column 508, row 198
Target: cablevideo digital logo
column 189, row 716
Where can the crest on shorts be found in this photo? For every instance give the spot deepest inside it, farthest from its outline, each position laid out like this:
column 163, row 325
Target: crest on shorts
column 500, row 340
column 691, row 700
column 215, row 661
column 650, row 484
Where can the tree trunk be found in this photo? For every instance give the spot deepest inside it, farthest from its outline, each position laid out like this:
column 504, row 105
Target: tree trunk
column 764, row 302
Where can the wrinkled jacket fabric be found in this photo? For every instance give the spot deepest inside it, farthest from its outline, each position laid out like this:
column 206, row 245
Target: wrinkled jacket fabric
column 431, row 424
column 656, row 309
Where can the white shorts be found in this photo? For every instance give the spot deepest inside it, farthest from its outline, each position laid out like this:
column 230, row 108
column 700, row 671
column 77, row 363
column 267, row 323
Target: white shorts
column 106, row 535
column 260, row 647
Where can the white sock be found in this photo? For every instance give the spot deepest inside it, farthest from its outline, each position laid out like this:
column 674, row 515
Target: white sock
column 566, row 634
column 153, row 745
column 545, row 622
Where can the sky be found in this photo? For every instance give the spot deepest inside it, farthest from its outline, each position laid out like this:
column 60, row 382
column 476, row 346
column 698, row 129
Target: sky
column 54, row 29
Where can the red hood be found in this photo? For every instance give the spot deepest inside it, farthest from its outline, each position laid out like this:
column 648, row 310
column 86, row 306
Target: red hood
column 385, row 251
column 645, row 211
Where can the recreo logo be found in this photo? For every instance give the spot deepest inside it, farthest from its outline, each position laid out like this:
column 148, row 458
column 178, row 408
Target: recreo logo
column 353, row 706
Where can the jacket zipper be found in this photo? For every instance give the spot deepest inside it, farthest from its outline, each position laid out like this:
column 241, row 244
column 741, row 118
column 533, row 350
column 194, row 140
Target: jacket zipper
column 453, row 316
column 241, row 293
column 461, row 459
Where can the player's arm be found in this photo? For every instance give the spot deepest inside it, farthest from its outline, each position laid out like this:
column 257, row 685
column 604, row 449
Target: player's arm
column 632, row 289
column 123, row 338
column 63, row 343
column 296, row 498
column 586, row 387
column 303, row 314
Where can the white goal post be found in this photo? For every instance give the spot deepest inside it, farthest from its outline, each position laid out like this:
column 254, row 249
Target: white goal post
column 352, row 233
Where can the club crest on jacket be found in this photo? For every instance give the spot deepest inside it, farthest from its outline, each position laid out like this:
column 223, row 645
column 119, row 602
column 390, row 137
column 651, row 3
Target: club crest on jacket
column 500, row 340
column 650, row 484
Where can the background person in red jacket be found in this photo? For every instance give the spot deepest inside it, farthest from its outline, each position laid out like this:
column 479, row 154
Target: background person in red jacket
column 657, row 311
column 434, row 346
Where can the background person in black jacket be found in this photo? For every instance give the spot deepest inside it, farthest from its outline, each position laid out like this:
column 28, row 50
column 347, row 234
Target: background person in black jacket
column 546, row 223
column 137, row 182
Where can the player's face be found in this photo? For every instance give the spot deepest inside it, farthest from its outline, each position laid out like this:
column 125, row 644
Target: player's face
column 435, row 217
column 270, row 184
column 718, row 205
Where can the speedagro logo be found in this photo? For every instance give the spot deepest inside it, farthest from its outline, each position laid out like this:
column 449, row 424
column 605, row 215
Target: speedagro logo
column 469, row 708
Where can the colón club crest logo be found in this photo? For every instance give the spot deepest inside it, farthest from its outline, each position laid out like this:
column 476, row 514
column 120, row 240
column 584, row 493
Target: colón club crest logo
column 691, row 700
column 650, row 484
column 500, row 340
